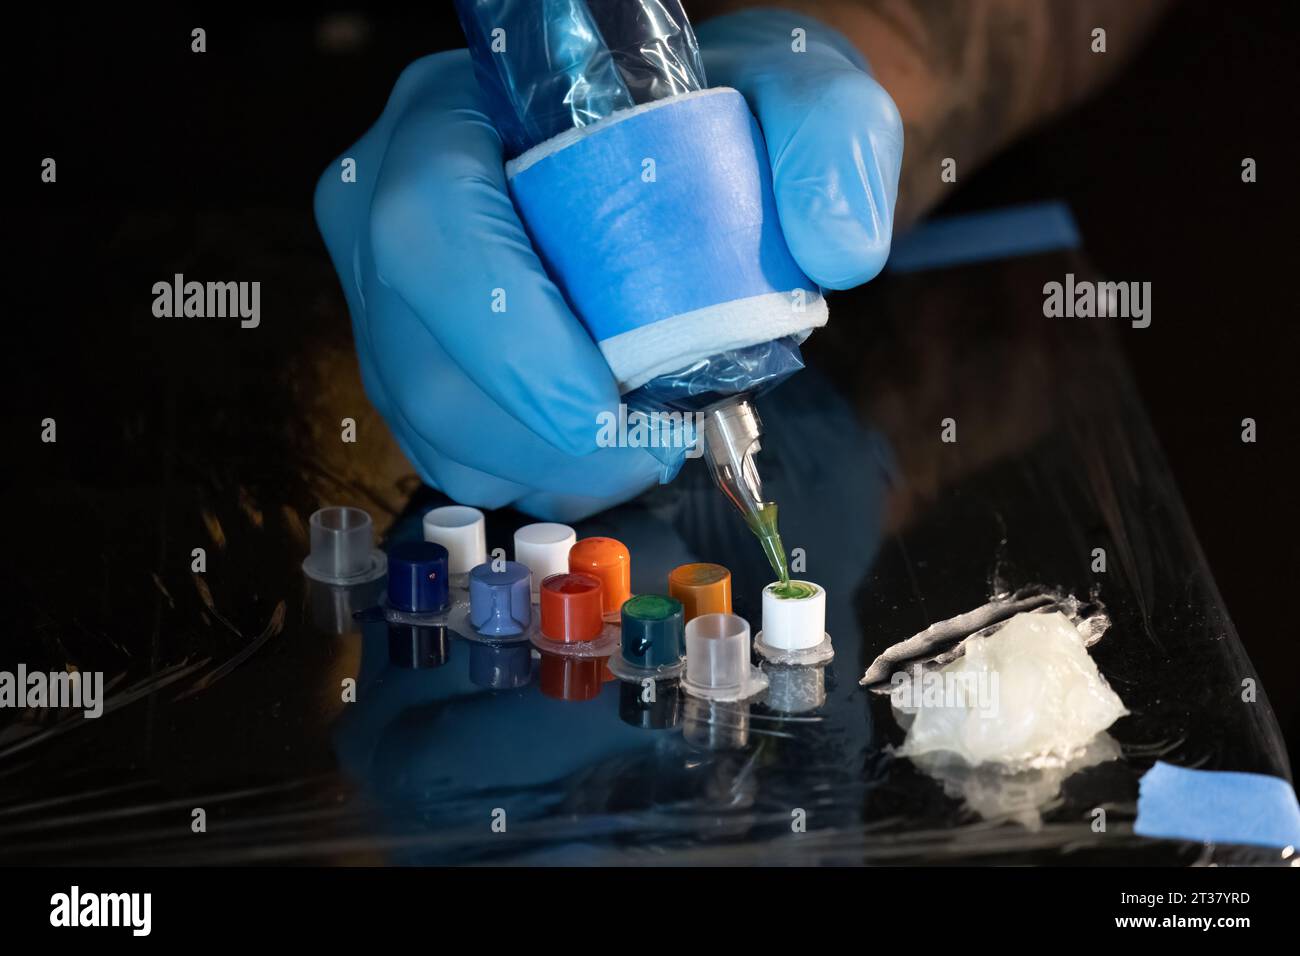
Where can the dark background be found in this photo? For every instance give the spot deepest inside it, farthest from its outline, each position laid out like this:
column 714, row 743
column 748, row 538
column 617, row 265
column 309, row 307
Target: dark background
column 147, row 134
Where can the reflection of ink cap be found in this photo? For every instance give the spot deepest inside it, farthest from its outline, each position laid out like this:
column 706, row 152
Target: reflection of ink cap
column 500, row 666
column 571, row 678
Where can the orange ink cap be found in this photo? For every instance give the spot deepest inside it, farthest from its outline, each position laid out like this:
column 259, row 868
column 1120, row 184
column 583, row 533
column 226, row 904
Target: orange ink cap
column 702, row 588
column 609, row 560
column 571, row 608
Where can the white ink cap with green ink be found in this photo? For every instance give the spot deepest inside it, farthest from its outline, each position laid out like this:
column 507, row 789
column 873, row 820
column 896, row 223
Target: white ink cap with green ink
column 794, row 624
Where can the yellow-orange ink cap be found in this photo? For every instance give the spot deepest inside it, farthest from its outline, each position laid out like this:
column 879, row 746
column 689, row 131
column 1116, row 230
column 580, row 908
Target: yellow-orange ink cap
column 702, row 588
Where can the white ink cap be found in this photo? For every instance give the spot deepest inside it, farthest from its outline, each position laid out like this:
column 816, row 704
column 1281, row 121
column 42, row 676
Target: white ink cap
column 462, row 531
column 342, row 548
column 543, row 548
column 794, row 623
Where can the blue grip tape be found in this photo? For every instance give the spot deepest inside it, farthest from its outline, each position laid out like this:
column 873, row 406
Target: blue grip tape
column 631, row 243
column 982, row 236
column 1217, row 806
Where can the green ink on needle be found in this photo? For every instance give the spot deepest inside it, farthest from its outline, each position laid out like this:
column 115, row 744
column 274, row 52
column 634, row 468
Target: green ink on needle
column 763, row 523
column 730, row 433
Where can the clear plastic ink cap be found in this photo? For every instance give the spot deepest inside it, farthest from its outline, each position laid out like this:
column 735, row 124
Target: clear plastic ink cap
column 543, row 548
column 717, row 658
column 343, row 547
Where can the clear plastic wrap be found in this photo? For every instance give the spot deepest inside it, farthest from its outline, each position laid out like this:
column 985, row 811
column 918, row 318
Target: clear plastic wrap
column 751, row 370
column 551, row 65
column 653, row 44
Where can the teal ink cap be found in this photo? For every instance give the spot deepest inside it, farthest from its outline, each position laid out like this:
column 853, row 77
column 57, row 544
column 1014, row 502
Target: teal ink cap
column 653, row 628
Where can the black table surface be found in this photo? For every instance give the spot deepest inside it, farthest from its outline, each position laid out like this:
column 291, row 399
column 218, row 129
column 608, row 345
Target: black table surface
column 225, row 687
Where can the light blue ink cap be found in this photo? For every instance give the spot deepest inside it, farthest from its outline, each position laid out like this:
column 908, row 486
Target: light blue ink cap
column 500, row 602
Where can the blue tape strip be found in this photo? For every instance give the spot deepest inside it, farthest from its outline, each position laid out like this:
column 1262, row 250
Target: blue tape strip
column 978, row 237
column 628, row 252
column 1216, row 806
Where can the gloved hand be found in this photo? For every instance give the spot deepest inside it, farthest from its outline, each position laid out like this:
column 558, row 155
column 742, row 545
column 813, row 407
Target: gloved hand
column 496, row 408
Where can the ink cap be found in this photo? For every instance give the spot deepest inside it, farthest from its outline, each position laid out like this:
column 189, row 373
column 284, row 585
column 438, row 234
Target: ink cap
column 717, row 659
column 702, row 588
column 343, row 547
column 417, row 577
column 609, row 560
column 653, row 631
column 500, row 602
column 572, row 609
column 543, row 548
column 462, row 531
column 794, row 625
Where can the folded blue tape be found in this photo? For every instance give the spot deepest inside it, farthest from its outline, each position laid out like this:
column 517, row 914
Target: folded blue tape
column 657, row 212
column 1005, row 233
column 1217, row 806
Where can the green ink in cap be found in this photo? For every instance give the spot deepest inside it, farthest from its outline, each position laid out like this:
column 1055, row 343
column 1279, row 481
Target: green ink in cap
column 794, row 590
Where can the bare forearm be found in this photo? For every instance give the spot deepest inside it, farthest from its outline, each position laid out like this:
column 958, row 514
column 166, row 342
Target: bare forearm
column 969, row 76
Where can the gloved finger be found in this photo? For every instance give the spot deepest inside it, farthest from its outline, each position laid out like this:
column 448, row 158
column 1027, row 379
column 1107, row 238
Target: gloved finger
column 483, row 490
column 555, row 506
column 456, row 481
column 343, row 193
column 446, row 238
column 434, row 399
column 342, row 207
column 834, row 137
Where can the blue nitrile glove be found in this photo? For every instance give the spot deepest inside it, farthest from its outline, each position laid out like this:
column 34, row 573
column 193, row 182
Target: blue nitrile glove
column 503, row 407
